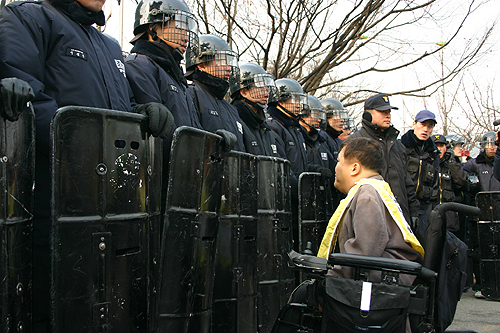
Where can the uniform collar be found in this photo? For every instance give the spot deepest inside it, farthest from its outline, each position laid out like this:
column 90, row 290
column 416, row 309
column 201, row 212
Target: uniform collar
column 75, row 11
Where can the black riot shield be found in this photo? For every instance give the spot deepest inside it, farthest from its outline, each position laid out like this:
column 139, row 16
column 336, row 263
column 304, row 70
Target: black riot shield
column 235, row 290
column 190, row 231
column 106, row 193
column 274, row 239
column 488, row 229
column 315, row 209
column 17, row 149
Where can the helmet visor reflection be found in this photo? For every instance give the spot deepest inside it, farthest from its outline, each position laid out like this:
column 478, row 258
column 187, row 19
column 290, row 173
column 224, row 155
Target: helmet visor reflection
column 180, row 28
column 262, row 86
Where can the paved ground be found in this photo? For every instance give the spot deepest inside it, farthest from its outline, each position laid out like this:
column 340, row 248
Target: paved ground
column 480, row 315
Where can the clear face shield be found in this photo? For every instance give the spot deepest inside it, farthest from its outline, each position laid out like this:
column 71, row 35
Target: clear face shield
column 337, row 119
column 297, row 104
column 222, row 65
column 315, row 118
column 489, row 143
column 262, row 87
column 179, row 30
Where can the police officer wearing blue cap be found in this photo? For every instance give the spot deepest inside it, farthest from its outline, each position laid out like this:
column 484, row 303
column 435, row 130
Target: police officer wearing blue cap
column 376, row 124
column 423, row 162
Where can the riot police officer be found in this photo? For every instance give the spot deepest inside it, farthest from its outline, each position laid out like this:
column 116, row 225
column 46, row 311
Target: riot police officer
column 456, row 143
column 336, row 116
column 163, row 30
column 482, row 166
column 285, row 106
column 250, row 88
column 67, row 62
column 318, row 152
column 210, row 69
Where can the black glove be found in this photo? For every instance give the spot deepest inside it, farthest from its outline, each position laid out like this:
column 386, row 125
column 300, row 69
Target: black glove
column 325, row 172
column 14, row 96
column 473, row 185
column 229, row 140
column 160, row 121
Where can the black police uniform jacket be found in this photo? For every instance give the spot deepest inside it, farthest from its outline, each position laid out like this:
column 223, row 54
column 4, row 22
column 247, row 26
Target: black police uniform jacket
column 394, row 169
column 214, row 111
column 154, row 73
column 67, row 62
column 482, row 166
column 422, row 164
column 451, row 178
column 156, row 76
column 318, row 152
column 332, row 139
column 259, row 138
column 290, row 131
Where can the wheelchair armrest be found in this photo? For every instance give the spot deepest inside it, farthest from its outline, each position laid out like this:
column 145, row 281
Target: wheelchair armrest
column 308, row 262
column 377, row 263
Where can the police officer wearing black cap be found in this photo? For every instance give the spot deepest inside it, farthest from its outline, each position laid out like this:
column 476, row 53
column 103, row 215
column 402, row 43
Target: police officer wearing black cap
column 376, row 124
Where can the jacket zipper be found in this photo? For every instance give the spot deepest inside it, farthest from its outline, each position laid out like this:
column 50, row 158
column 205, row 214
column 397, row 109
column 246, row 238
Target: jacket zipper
column 418, row 178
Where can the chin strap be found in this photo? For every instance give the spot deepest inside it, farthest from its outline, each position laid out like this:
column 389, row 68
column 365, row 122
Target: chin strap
column 259, row 106
column 176, row 53
column 290, row 114
column 153, row 34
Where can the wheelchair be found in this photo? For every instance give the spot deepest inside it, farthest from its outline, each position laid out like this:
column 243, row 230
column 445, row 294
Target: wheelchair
column 355, row 305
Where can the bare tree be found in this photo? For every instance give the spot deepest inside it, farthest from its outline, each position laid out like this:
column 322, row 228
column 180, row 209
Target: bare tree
column 330, row 46
column 477, row 112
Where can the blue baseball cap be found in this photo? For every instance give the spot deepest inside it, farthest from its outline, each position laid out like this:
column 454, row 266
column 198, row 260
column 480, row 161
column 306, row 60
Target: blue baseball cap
column 425, row 115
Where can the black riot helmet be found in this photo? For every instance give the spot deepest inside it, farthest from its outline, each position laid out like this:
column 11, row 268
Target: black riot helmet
column 289, row 95
column 489, row 140
column 225, row 60
column 317, row 112
column 259, row 83
column 336, row 114
column 178, row 25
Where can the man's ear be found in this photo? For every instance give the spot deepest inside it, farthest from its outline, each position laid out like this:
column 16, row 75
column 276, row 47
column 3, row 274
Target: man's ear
column 355, row 168
column 244, row 92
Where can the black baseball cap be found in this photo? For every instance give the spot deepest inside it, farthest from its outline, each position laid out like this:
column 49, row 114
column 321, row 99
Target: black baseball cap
column 379, row 102
column 439, row 138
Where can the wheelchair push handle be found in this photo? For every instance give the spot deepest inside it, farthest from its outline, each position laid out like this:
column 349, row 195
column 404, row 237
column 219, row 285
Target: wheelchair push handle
column 457, row 207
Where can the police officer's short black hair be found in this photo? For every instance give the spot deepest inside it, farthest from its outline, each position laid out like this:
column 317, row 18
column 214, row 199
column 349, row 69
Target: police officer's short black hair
column 368, row 152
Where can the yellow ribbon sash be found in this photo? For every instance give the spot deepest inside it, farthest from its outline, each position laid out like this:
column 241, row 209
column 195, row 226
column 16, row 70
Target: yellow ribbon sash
column 384, row 190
